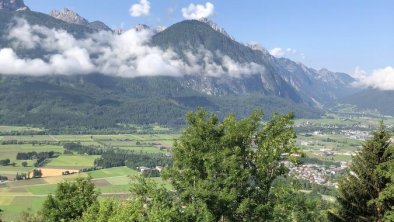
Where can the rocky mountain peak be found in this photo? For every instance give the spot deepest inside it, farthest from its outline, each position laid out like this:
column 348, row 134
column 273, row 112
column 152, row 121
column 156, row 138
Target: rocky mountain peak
column 215, row 26
column 72, row 17
column 13, row 5
column 69, row 16
column 141, row 27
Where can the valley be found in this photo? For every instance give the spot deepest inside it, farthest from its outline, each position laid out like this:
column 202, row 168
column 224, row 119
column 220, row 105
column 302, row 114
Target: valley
column 329, row 143
column 151, row 111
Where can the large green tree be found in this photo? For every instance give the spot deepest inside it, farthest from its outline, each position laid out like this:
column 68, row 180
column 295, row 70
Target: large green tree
column 230, row 165
column 71, row 199
column 366, row 192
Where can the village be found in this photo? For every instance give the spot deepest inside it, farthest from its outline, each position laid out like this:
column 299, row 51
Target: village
column 318, row 174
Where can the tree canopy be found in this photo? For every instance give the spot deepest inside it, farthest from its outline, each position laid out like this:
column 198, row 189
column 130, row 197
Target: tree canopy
column 230, row 165
column 71, row 199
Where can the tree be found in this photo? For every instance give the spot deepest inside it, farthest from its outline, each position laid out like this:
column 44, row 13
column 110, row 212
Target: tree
column 37, row 173
column 386, row 196
column 71, row 199
column 289, row 204
column 149, row 203
column 28, row 216
column 5, row 162
column 24, row 164
column 230, row 166
column 366, row 192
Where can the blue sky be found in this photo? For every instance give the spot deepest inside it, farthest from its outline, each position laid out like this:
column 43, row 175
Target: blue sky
column 336, row 34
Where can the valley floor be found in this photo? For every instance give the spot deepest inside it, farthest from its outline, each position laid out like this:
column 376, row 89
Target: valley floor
column 329, row 143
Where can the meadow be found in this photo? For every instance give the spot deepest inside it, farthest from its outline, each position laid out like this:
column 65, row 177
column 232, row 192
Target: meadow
column 29, row 195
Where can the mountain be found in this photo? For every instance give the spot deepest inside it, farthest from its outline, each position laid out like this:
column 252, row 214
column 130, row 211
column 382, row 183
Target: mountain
column 282, row 77
column 13, row 5
column 373, row 99
column 216, row 27
column 37, row 18
column 72, row 17
column 141, row 27
column 98, row 101
column 191, row 35
column 319, row 86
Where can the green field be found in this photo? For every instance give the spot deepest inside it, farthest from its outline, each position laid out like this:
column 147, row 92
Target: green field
column 19, row 196
column 72, row 161
column 113, row 172
column 9, row 129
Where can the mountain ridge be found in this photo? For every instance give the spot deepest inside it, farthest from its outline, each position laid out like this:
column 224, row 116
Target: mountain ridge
column 283, row 77
column 280, row 87
column 72, row 17
column 380, row 100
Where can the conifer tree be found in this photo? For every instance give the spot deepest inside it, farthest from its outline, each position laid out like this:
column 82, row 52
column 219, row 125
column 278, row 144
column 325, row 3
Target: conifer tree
column 360, row 189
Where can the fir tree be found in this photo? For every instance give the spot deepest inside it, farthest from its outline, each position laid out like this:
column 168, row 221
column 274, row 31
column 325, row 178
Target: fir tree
column 360, row 189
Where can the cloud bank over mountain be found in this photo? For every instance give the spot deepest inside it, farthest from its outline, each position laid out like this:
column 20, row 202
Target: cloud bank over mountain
column 281, row 52
column 128, row 55
column 382, row 79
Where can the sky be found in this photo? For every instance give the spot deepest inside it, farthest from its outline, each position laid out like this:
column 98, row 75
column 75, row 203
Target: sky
column 352, row 36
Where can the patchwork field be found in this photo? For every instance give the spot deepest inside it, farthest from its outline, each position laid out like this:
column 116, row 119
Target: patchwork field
column 28, row 195
column 76, row 161
column 19, row 196
column 337, row 137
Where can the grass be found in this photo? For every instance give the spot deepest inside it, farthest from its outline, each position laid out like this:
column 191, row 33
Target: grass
column 6, row 200
column 19, row 204
column 29, row 195
column 13, row 170
column 42, row 189
column 8, row 129
column 113, row 172
column 72, row 161
column 10, row 152
column 119, row 180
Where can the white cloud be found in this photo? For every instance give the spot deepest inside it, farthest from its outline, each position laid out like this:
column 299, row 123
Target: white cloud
column 73, row 61
column 140, row 9
column 198, row 11
column 359, row 73
column 24, row 34
column 10, row 63
column 277, row 52
column 291, row 51
column 382, row 79
column 128, row 55
column 288, row 52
